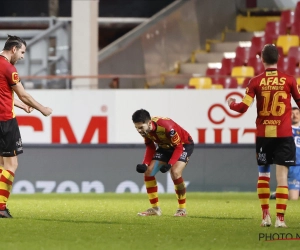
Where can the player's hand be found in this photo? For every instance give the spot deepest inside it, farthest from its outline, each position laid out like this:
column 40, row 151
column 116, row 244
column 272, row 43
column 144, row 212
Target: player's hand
column 230, row 100
column 165, row 168
column 28, row 109
column 141, row 168
column 46, row 111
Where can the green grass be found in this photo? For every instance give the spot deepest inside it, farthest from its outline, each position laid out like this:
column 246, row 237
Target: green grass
column 109, row 221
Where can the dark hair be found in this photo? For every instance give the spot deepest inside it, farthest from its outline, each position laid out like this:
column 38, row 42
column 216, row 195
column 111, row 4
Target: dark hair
column 270, row 54
column 141, row 115
column 13, row 41
column 295, row 108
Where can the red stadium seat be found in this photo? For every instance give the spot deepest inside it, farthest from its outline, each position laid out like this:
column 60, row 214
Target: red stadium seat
column 273, row 30
column 246, row 82
column 294, row 52
column 229, row 82
column 297, row 72
column 183, row 86
column 229, row 63
column 243, row 54
column 287, row 18
column 295, row 29
column 287, row 65
column 257, row 64
column 215, row 74
column 280, row 51
column 257, row 44
column 297, row 13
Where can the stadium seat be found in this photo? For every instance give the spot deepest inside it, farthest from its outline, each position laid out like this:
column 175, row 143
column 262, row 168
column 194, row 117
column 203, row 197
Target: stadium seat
column 280, row 50
column 294, row 51
column 287, row 65
column 287, row 18
column 257, row 44
column 229, row 63
column 297, row 13
column 215, row 73
column 243, row 54
column 229, row 82
column 183, row 86
column 297, row 72
column 295, row 29
column 241, row 72
column 273, row 30
column 245, row 82
column 287, row 41
column 257, row 64
column 217, row 86
column 201, row 82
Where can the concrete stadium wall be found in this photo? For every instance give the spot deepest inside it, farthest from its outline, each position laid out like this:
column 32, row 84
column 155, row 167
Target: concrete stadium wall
column 111, row 168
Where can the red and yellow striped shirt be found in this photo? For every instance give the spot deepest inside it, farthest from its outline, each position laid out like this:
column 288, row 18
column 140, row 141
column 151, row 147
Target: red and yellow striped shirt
column 273, row 90
column 8, row 77
column 166, row 134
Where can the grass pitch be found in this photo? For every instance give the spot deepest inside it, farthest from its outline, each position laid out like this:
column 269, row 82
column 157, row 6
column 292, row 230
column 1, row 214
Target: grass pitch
column 109, row 221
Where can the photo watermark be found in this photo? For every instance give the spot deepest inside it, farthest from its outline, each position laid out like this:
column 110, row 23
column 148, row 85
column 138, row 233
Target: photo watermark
column 278, row 236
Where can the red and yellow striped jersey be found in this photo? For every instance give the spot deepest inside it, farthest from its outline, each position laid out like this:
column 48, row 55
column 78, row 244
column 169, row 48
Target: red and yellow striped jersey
column 166, row 134
column 8, row 77
column 273, row 90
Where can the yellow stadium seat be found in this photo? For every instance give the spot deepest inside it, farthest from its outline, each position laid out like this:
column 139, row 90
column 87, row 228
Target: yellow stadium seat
column 240, row 72
column 287, row 41
column 217, row 86
column 201, row 82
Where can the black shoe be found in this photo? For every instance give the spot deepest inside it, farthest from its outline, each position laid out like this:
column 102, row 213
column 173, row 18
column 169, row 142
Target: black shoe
column 5, row 213
column 273, row 196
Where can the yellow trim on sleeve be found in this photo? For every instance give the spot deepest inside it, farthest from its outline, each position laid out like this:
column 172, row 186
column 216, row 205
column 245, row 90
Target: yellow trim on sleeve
column 247, row 100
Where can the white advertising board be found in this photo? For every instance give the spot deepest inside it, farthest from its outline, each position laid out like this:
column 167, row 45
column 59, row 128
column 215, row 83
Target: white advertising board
column 104, row 116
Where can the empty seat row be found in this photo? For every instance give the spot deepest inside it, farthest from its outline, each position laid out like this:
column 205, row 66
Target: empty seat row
column 289, row 18
column 235, row 72
column 274, row 29
column 284, row 45
column 206, row 83
column 289, row 62
column 226, row 83
column 285, row 64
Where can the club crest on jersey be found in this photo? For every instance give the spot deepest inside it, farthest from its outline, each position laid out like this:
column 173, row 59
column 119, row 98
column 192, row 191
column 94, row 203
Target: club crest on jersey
column 175, row 139
column 172, row 132
column 15, row 77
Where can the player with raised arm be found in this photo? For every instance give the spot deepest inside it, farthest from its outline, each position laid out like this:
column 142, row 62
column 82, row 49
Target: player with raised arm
column 168, row 147
column 273, row 90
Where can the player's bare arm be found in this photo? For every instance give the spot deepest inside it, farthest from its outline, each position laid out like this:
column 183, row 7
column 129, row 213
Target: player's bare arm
column 29, row 100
